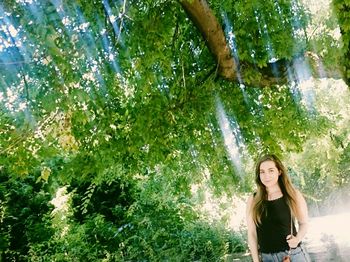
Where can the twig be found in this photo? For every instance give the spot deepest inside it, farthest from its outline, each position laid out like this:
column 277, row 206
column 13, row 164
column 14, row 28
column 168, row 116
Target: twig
column 176, row 31
column 26, row 86
column 16, row 63
column 183, row 75
column 121, row 20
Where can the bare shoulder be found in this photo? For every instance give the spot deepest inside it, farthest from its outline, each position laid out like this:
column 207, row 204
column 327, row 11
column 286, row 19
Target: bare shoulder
column 249, row 208
column 299, row 195
column 301, row 203
column 250, row 200
column 302, row 210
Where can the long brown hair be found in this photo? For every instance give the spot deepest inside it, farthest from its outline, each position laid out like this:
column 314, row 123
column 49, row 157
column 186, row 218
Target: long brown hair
column 287, row 188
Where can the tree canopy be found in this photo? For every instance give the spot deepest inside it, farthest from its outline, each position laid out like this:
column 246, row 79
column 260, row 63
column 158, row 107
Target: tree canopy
column 120, row 107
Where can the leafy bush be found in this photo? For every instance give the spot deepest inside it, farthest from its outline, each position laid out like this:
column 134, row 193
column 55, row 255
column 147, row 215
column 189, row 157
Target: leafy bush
column 24, row 219
column 153, row 229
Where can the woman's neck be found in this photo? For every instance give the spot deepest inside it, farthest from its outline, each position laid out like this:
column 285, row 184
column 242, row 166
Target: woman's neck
column 274, row 193
column 274, row 189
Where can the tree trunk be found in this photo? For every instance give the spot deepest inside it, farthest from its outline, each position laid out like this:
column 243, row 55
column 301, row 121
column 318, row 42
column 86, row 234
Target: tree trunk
column 276, row 73
column 203, row 18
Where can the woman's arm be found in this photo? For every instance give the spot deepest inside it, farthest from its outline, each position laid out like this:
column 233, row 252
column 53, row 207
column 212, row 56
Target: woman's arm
column 252, row 236
column 302, row 217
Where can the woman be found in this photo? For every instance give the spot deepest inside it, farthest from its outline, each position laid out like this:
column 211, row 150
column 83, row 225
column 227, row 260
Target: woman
column 271, row 231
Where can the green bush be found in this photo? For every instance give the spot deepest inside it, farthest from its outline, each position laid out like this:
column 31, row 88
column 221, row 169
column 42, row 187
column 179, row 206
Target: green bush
column 155, row 231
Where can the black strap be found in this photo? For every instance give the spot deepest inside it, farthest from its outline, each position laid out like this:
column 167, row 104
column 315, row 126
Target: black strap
column 291, row 231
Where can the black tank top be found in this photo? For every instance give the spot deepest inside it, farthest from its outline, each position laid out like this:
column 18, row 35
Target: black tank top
column 275, row 227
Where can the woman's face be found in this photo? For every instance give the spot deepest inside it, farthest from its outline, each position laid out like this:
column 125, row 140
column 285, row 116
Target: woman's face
column 269, row 173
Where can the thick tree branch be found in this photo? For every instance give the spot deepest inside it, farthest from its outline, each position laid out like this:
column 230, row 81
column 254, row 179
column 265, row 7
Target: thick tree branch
column 203, row 18
column 276, row 73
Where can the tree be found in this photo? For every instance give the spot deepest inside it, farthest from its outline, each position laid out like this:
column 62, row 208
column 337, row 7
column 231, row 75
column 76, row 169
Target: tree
column 342, row 11
column 125, row 99
column 278, row 70
column 131, row 87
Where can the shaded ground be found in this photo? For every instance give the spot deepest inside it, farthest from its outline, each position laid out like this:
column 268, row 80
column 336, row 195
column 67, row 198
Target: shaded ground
column 328, row 239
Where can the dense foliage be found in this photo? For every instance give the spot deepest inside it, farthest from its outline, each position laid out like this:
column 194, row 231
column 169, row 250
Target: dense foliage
column 111, row 112
column 342, row 8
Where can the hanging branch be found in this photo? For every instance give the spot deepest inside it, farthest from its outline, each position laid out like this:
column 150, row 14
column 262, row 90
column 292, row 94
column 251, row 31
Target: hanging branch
column 25, row 86
column 22, row 62
column 121, row 16
column 176, row 32
column 27, row 133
